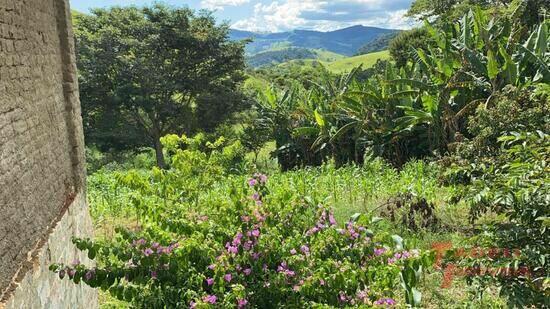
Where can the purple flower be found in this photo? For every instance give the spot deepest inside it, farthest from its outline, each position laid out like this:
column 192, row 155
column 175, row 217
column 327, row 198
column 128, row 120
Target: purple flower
column 89, row 274
column 379, row 251
column 321, row 282
column 304, row 249
column 255, row 255
column 245, row 218
column 331, row 219
column 237, row 239
column 247, row 271
column 147, row 252
column 391, row 261
column 155, row 245
column 256, row 196
column 263, row 178
column 241, row 303
column 228, row 277
column 210, row 299
column 293, row 251
column 211, row 266
column 71, row 272
column 256, row 233
column 61, row 274
column 210, row 281
column 259, row 203
column 385, row 301
column 342, row 297
column 153, row 274
column 192, row 305
column 252, row 182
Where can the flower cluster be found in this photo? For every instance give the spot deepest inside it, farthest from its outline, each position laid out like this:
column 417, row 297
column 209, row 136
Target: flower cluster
column 325, row 221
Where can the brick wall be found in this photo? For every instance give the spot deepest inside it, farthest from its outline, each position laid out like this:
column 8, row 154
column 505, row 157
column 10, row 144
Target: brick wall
column 41, row 142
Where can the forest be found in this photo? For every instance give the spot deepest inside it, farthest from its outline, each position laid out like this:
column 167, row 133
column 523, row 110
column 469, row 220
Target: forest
column 418, row 179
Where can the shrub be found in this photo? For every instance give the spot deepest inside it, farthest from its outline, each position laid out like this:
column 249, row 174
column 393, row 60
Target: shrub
column 515, row 186
column 254, row 249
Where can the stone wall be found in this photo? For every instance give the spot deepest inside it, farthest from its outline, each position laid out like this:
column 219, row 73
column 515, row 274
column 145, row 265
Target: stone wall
column 42, row 178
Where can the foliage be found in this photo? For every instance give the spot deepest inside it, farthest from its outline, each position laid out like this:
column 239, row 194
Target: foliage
column 279, row 56
column 412, row 111
column 515, row 185
column 379, row 44
column 146, row 72
column 403, row 46
column 250, row 244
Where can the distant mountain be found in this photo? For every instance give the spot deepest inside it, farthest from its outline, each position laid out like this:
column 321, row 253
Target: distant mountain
column 345, row 41
column 379, row 44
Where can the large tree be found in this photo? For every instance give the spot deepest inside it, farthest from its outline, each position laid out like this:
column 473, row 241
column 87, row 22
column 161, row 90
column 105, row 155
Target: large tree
column 147, row 72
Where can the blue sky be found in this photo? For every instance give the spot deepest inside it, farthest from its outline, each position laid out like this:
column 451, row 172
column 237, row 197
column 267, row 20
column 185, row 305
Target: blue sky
column 283, row 15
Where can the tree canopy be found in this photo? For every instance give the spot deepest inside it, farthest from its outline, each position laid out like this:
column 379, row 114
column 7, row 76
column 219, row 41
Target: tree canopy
column 146, row 72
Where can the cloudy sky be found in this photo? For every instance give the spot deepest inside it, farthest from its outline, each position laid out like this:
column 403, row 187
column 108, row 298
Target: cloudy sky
column 283, row 15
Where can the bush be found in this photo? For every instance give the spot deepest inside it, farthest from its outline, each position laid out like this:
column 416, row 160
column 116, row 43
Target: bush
column 244, row 243
column 515, row 186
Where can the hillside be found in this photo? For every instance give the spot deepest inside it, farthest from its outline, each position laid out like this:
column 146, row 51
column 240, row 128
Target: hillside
column 367, row 60
column 281, row 55
column 345, row 41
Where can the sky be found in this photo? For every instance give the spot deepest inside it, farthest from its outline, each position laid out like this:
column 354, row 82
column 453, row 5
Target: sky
column 284, row 15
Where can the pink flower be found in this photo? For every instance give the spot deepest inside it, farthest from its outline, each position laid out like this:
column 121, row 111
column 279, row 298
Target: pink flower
column 252, row 182
column 147, row 252
column 385, row 301
column 155, row 245
column 256, row 196
column 321, row 282
column 241, row 303
column 245, row 218
column 247, row 271
column 256, row 233
column 304, row 249
column 228, row 277
column 379, row 251
column 331, row 219
column 153, row 274
column 211, row 266
column 89, row 274
column 192, row 305
column 210, row 281
column 210, row 299
column 259, row 203
column 293, row 251
column 263, row 178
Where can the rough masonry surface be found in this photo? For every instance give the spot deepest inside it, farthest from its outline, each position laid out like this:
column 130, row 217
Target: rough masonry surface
column 42, row 187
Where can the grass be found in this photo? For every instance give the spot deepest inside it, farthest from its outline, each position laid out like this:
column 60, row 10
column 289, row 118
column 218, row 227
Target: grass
column 342, row 64
column 347, row 64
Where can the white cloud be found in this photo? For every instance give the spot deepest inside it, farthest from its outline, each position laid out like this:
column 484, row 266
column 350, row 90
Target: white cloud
column 220, row 4
column 326, row 15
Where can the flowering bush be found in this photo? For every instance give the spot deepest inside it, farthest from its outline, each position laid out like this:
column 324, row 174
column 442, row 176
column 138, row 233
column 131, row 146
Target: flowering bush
column 259, row 252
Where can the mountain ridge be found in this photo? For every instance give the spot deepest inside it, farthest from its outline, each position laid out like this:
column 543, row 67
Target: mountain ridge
column 345, row 41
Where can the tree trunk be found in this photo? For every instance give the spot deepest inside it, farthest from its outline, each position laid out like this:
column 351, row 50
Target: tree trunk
column 161, row 163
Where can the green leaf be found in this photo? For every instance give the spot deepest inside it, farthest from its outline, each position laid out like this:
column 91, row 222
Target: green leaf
column 492, row 65
column 319, row 119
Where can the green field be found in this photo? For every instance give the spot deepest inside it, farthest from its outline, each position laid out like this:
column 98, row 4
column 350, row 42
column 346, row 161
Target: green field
column 347, row 64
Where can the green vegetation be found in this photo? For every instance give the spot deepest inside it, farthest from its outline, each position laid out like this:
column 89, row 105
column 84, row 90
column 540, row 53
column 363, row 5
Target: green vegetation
column 348, row 64
column 361, row 182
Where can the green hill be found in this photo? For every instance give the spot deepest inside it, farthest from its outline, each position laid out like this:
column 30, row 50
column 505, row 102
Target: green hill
column 347, row 64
